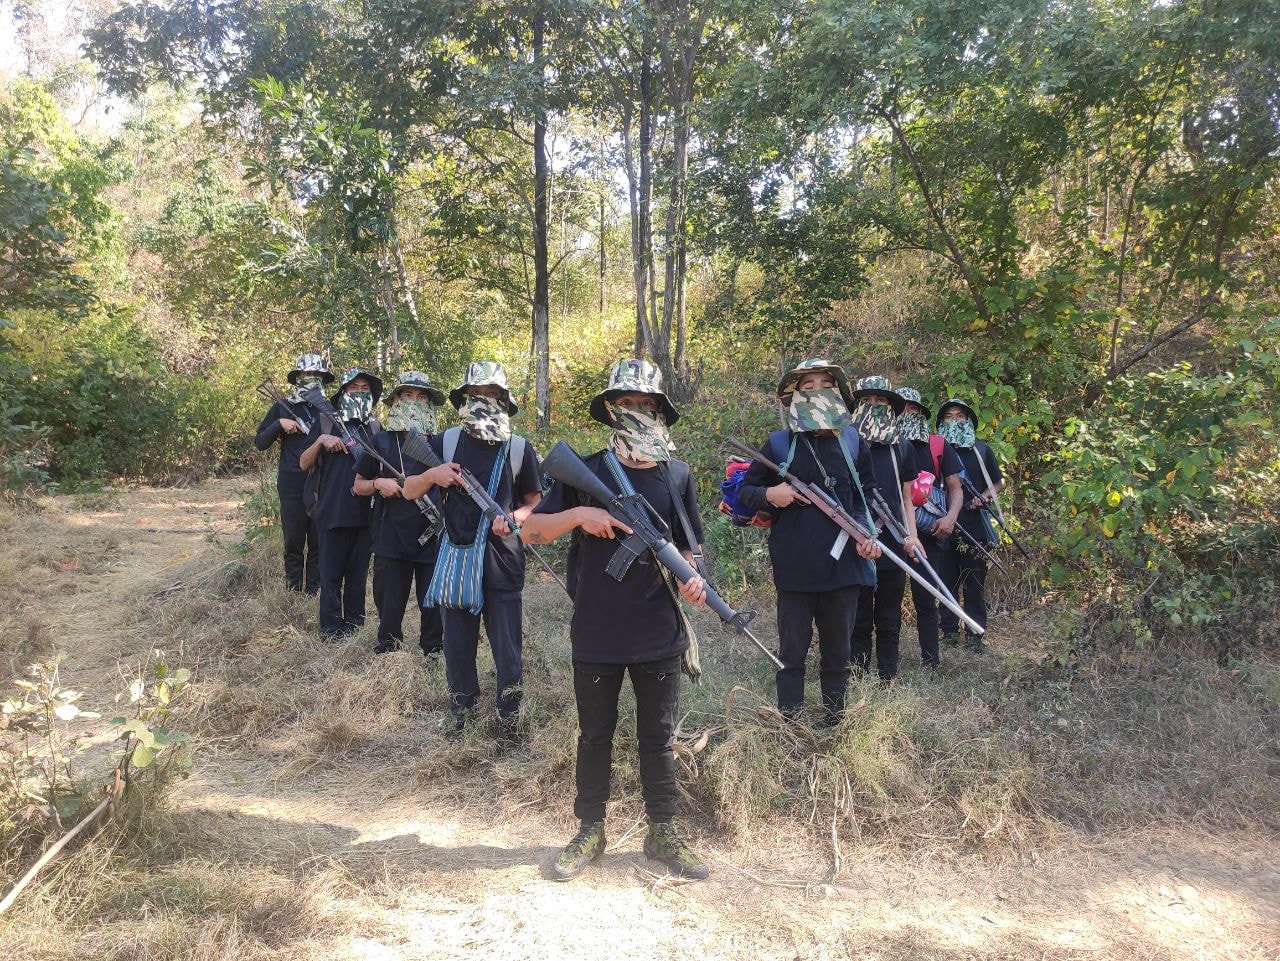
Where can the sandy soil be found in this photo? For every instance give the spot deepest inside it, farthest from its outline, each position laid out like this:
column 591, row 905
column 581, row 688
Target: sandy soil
column 419, row 874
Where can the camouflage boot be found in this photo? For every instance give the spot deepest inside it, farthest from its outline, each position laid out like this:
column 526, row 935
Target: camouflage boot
column 587, row 845
column 663, row 844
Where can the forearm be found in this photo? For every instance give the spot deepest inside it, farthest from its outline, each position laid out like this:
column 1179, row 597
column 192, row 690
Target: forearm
column 955, row 497
column 363, row 486
column 545, row 528
column 307, row 459
column 524, row 511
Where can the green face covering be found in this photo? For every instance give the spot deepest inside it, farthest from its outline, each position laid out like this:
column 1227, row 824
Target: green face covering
column 406, row 414
column 484, row 418
column 304, row 384
column 821, row 409
column 874, row 422
column 913, row 426
column 959, row 433
column 356, row 407
column 639, row 435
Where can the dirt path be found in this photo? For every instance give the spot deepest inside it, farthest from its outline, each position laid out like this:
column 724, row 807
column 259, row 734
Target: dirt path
column 412, row 872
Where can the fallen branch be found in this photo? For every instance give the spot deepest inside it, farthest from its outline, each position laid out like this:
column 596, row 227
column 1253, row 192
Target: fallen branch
column 114, row 791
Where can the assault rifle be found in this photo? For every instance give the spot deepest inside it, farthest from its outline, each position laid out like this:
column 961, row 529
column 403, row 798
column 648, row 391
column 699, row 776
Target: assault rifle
column 419, row 448
column 649, row 532
column 899, row 532
column 354, row 445
column 850, row 527
column 267, row 390
column 993, row 514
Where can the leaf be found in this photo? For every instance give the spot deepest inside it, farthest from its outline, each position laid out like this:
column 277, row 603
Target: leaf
column 143, row 756
column 66, row 712
column 1111, row 524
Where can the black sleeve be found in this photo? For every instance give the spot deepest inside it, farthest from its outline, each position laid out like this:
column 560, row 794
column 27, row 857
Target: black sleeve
column 866, row 474
column 367, row 465
column 908, row 469
column 690, row 498
column 758, row 480
column 993, row 468
column 951, row 462
column 559, row 498
column 530, row 479
column 269, row 429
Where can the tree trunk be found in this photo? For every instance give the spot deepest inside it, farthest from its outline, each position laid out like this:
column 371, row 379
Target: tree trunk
column 541, row 267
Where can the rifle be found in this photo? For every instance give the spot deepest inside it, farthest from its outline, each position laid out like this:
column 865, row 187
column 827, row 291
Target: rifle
column 649, row 532
column 899, row 532
column 435, row 520
column 267, row 390
column 417, row 447
column 994, row 514
column 973, row 542
column 850, row 527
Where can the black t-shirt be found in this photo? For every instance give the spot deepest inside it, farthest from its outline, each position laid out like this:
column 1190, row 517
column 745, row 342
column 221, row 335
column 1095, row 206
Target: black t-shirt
column 972, row 520
column 504, row 557
column 801, row 538
column 336, row 505
column 397, row 523
column 635, row 619
column 290, row 478
column 950, row 461
column 887, row 483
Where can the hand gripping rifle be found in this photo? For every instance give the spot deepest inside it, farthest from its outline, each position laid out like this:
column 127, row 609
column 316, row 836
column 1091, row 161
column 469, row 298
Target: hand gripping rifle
column 899, row 532
column 353, row 444
column 417, row 447
column 993, row 513
column 648, row 532
column 849, row 526
column 267, row 390
column 973, row 542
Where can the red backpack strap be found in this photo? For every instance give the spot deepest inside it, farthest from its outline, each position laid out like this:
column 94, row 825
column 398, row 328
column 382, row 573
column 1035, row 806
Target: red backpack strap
column 935, row 451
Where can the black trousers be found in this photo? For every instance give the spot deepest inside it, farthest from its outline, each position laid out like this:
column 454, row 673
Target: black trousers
column 503, row 621
column 344, row 571
column 393, row 579
column 657, row 688
column 301, row 546
column 878, row 623
column 833, row 613
column 926, row 605
column 964, row 571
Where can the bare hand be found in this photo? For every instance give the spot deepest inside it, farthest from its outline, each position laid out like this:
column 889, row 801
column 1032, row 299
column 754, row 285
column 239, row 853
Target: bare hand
column 869, row 549
column 784, row 495
column 694, row 590
column 387, row 487
column 500, row 526
column 912, row 548
column 446, row 475
column 290, row 426
column 332, row 444
column 944, row 527
column 976, row 503
column 600, row 523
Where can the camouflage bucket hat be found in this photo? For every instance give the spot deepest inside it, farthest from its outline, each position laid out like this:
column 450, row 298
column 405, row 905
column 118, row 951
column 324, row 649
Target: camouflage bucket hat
column 633, row 376
column 485, row 373
column 787, row 386
column 350, row 374
column 910, row 395
column 880, row 385
column 956, row 402
column 311, row 364
column 416, row 378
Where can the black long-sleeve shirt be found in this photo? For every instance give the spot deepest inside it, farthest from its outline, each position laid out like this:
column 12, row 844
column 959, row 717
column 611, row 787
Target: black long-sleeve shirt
column 290, row 478
column 801, row 538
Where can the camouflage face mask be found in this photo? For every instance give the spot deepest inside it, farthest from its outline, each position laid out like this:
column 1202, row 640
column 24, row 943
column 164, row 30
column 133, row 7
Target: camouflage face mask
column 821, row 409
column 304, row 384
column 639, row 435
column 485, row 418
column 874, row 422
column 960, row 433
column 356, row 407
column 406, row 414
column 913, row 426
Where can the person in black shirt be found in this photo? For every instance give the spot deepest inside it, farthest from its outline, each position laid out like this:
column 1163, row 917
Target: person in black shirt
column 963, row 569
column 402, row 558
column 939, row 459
column 818, row 574
column 288, row 423
column 878, row 621
column 634, row 625
column 508, row 465
column 342, row 516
